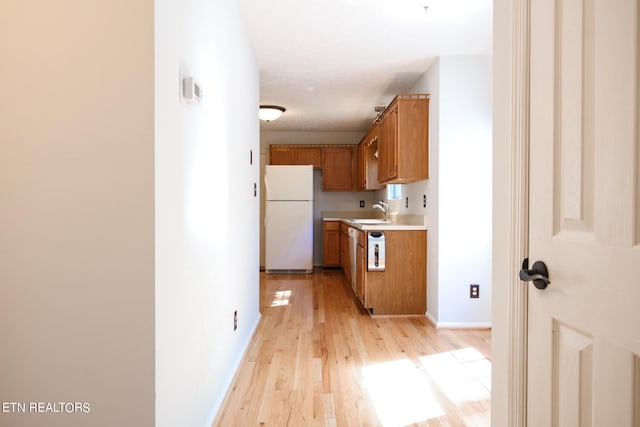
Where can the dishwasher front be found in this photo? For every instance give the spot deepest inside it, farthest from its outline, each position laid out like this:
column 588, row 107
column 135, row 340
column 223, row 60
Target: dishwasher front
column 353, row 246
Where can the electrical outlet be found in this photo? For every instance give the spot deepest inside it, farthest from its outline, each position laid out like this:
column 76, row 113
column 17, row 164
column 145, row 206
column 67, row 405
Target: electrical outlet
column 235, row 320
column 474, row 291
column 424, row 200
column 406, row 202
column 362, row 203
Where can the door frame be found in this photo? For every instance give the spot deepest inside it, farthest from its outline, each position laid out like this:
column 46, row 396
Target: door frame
column 511, row 41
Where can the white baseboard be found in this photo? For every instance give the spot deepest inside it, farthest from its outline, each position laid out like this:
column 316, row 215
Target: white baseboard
column 220, row 403
column 463, row 325
column 457, row 325
column 432, row 319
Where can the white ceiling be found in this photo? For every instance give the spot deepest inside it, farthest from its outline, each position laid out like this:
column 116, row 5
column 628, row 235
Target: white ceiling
column 330, row 62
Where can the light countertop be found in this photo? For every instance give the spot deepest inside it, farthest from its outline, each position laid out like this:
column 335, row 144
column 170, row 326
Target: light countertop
column 404, row 222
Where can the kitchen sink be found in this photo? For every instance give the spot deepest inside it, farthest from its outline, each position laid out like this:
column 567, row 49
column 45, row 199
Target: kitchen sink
column 369, row 221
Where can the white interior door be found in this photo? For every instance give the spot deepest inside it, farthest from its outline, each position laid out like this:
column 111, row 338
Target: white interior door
column 584, row 328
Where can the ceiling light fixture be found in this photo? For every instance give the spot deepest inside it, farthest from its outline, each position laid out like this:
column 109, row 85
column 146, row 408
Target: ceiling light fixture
column 270, row 112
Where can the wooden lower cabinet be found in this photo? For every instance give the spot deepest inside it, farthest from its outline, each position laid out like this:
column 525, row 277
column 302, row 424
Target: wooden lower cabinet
column 399, row 290
column 402, row 288
column 331, row 243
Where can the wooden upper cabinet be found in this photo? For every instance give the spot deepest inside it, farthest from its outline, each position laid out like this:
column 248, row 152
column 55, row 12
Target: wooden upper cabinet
column 395, row 150
column 392, row 144
column 403, row 140
column 337, row 168
column 383, row 147
column 295, row 155
column 367, row 159
column 310, row 156
column 359, row 168
column 282, row 155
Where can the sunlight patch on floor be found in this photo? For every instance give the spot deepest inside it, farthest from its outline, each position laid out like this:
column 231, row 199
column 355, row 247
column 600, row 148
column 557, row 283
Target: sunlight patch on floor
column 400, row 393
column 281, row 298
column 464, row 375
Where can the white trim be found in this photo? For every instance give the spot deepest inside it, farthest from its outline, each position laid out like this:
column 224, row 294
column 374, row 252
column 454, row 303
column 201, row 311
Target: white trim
column 511, row 138
column 463, row 325
column 519, row 217
column 432, row 319
column 456, row 325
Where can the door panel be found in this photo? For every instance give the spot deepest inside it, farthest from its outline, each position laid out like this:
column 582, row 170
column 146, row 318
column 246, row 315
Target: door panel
column 583, row 337
column 572, row 372
column 574, row 72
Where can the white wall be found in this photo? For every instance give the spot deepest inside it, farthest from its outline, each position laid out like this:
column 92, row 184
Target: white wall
column 77, row 210
column 429, row 83
column 465, row 193
column 207, row 217
column 458, row 190
column 81, row 221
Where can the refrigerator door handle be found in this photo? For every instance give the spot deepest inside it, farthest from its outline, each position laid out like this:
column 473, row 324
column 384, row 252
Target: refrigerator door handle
column 266, row 214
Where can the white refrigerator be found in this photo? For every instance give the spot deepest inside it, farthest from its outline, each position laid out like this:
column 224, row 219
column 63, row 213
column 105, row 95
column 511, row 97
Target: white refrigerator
column 288, row 220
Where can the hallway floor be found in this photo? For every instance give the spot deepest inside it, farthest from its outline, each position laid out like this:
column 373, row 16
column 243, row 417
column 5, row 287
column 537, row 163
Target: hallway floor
column 317, row 359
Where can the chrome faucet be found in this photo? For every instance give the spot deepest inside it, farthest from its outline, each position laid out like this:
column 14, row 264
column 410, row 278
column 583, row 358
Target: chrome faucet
column 384, row 207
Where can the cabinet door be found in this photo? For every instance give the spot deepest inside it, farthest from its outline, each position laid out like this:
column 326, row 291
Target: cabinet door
column 383, row 146
column 392, row 143
column 361, row 166
column 331, row 244
column 282, row 155
column 371, row 155
column 402, row 287
column 412, row 153
column 337, row 174
column 403, row 140
column 310, row 156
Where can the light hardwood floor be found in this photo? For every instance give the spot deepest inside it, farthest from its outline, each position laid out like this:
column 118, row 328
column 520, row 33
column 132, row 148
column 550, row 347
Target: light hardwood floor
column 316, row 359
